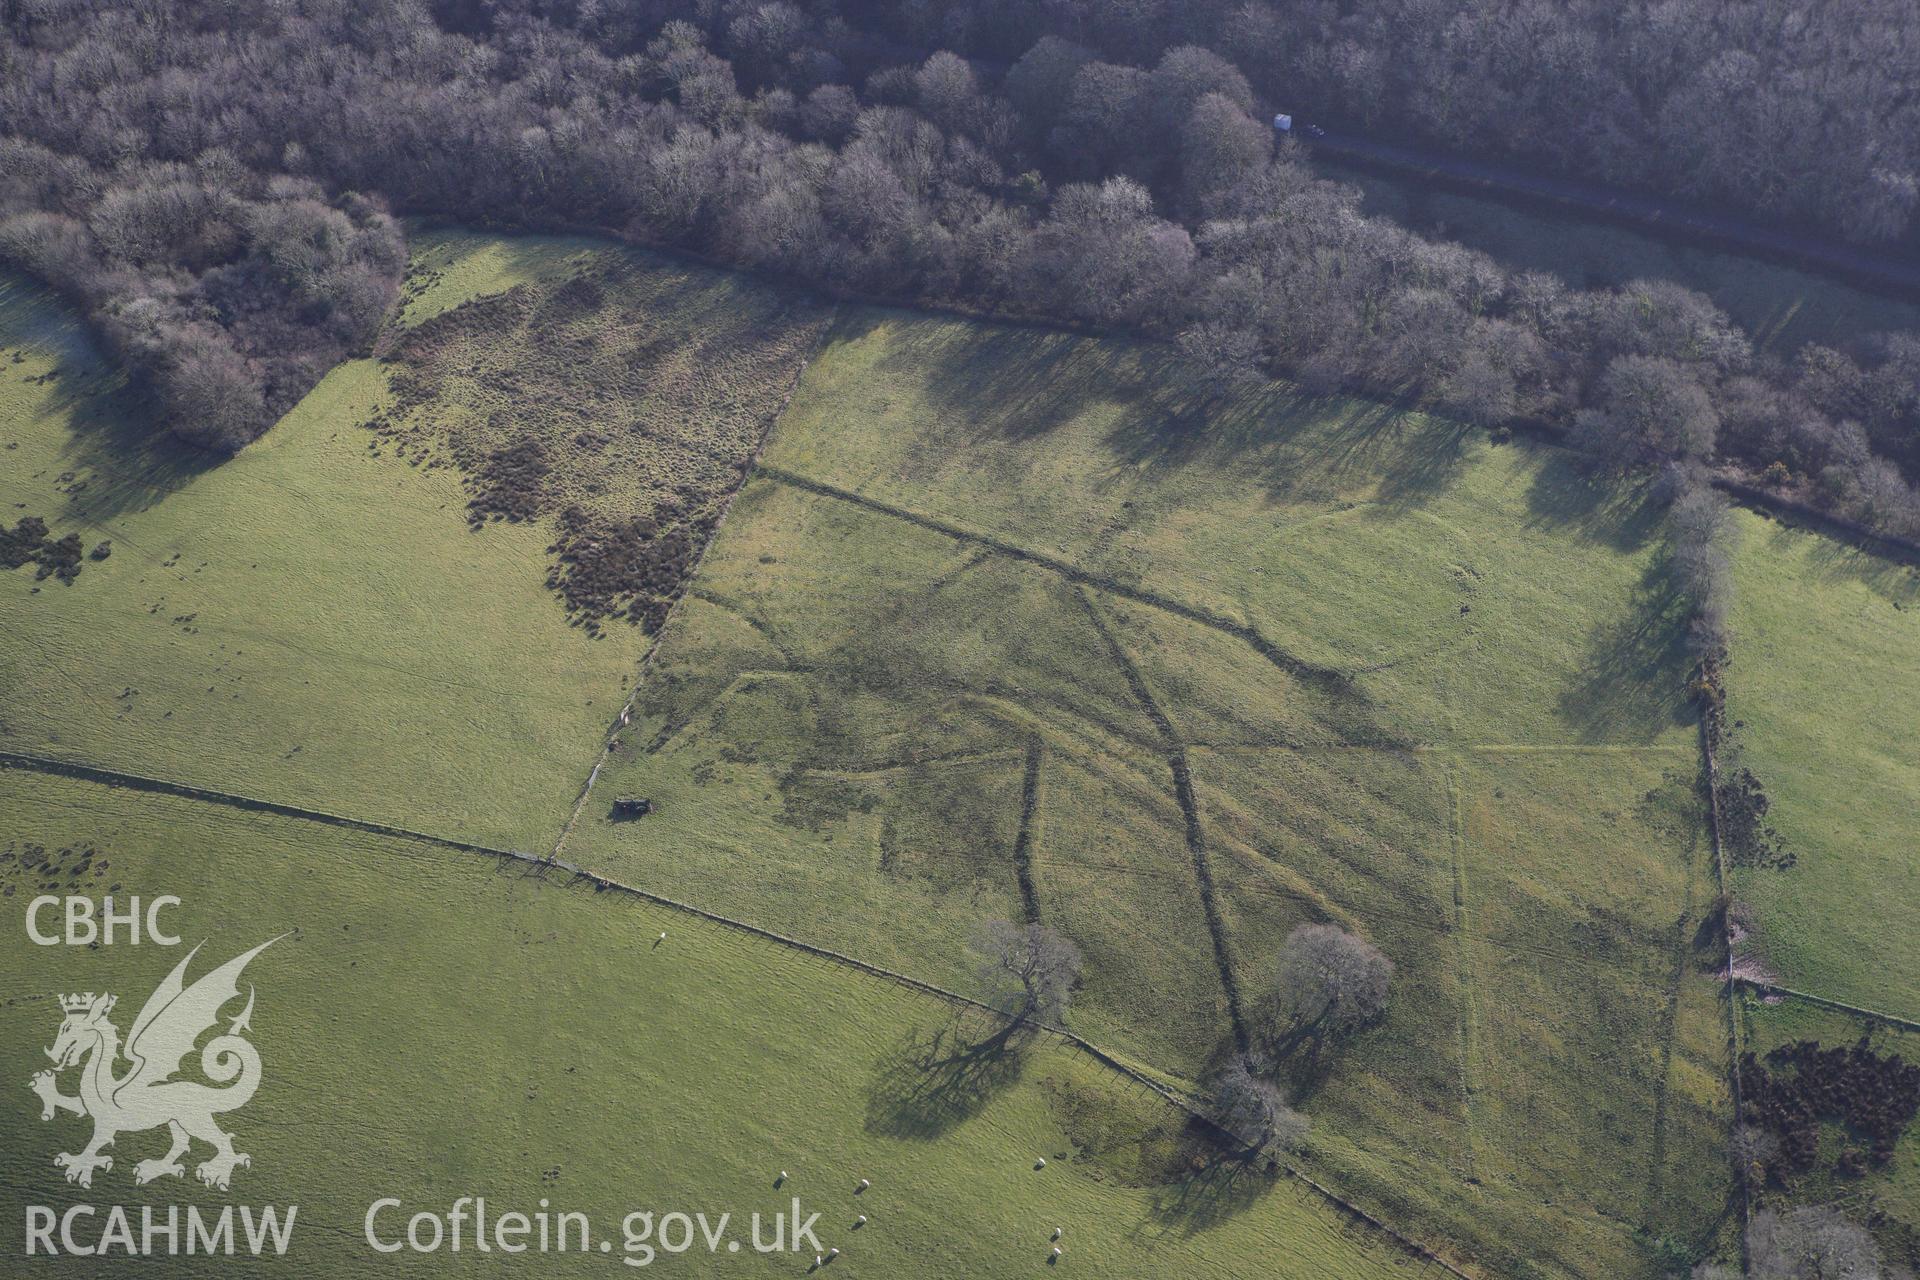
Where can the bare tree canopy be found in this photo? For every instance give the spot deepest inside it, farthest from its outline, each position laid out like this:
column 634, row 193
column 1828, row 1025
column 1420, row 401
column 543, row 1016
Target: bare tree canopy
column 1028, row 970
column 1255, row 1112
column 1332, row 981
column 1814, row 1243
column 1752, row 1149
column 214, row 191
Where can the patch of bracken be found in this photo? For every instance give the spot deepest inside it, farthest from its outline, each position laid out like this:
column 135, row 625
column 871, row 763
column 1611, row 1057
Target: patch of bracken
column 52, row 870
column 633, row 570
column 1750, row 841
column 623, row 416
column 28, row 543
column 511, row 483
column 1801, row 1086
column 20, row 544
column 494, row 316
column 576, row 298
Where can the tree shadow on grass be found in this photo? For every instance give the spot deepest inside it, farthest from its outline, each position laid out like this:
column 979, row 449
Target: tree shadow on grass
column 938, row 1077
column 122, row 456
column 1297, row 445
column 1225, row 1184
column 1634, row 666
column 118, row 456
column 1836, row 558
column 1000, row 381
column 1569, row 495
column 1009, row 384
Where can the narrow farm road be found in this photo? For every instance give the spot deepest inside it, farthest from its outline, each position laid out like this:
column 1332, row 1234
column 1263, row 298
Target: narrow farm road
column 1868, row 268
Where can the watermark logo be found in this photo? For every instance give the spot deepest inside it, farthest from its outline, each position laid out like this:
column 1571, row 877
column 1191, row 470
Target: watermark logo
column 144, row 1094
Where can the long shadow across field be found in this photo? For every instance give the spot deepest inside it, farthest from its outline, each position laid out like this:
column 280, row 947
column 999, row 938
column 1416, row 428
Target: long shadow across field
column 1294, row 444
column 1569, row 496
column 939, row 1076
column 118, row 457
column 1643, row 647
column 128, row 460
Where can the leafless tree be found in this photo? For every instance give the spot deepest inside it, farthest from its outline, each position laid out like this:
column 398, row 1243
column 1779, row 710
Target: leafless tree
column 1650, row 408
column 1701, row 532
column 1220, row 146
column 1812, row 1243
column 192, row 185
column 1255, row 1111
column 1223, row 359
column 1331, row 981
column 1480, row 389
column 1028, row 970
column 1753, row 1149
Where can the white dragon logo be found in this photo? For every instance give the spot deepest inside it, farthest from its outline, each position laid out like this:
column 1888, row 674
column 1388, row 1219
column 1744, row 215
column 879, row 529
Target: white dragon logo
column 146, row 1095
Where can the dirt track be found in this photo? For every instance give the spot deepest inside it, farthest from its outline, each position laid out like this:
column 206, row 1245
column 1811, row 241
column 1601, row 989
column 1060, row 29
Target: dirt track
column 1881, row 272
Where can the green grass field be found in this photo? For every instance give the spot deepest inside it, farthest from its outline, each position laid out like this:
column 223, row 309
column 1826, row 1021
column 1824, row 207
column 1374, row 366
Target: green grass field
column 1003, row 625
column 1822, row 694
column 311, row 621
column 1783, row 307
column 1420, row 685
column 436, row 1025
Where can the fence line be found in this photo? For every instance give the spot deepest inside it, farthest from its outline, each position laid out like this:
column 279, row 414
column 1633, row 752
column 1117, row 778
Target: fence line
column 231, row 800
column 1827, row 1002
column 539, row 865
column 625, row 713
column 1712, row 764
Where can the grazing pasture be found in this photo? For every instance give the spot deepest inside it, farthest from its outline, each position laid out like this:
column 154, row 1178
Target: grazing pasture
column 1823, row 704
column 433, row 1024
column 1002, row 624
column 315, row 620
column 1010, row 623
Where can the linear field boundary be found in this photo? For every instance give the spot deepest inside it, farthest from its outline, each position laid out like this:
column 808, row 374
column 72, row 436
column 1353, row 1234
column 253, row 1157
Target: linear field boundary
column 1279, row 657
column 1710, row 763
column 540, row 865
column 612, row 738
column 1826, row 1002
column 1196, row 835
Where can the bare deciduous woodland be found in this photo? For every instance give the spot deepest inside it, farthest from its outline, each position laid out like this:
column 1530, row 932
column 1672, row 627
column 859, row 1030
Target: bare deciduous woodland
column 218, row 189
